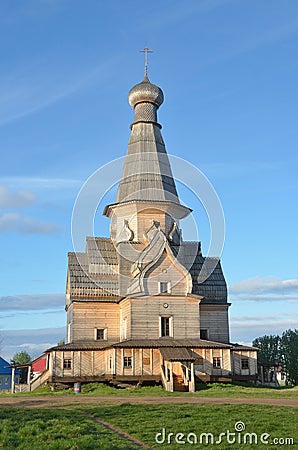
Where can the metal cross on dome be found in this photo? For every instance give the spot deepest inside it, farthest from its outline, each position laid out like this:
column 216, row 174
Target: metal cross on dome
column 146, row 50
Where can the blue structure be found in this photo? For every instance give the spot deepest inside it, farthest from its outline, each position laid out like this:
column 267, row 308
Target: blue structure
column 6, row 374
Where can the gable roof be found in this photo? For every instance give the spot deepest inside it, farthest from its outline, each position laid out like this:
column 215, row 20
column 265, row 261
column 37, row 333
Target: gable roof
column 4, row 370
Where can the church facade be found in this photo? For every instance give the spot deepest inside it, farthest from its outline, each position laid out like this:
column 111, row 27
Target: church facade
column 138, row 309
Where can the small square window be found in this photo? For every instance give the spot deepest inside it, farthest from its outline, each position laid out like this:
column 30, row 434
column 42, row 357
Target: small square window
column 217, row 363
column 6, row 380
column 127, row 362
column 204, row 334
column 67, row 363
column 244, row 363
column 100, row 334
column 164, row 287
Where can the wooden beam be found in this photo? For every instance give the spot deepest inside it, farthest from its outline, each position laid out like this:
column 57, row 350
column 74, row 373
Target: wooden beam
column 12, row 380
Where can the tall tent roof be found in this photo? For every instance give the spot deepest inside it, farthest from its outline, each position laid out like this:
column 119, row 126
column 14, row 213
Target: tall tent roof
column 147, row 173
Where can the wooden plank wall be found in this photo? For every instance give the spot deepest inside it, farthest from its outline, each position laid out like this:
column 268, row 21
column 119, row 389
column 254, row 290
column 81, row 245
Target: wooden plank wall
column 84, row 363
column 146, row 311
column 90, row 315
column 215, row 319
column 164, row 270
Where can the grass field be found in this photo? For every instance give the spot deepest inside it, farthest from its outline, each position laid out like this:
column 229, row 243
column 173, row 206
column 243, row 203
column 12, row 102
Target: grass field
column 205, row 390
column 61, row 429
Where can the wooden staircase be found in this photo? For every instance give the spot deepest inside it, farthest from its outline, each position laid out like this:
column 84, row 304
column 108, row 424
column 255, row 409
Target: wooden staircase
column 178, row 384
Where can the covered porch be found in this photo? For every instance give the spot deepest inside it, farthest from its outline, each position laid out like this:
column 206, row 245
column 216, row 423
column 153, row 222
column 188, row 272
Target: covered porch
column 177, row 369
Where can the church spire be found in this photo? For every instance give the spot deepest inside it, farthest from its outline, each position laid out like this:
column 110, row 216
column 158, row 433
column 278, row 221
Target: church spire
column 147, row 177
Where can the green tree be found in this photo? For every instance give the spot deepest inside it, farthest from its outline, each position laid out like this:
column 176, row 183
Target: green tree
column 289, row 352
column 21, row 358
column 269, row 348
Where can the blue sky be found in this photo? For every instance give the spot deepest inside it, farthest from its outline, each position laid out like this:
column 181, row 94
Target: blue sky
column 229, row 73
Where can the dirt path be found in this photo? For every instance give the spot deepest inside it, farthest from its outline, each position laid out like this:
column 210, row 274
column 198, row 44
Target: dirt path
column 55, row 401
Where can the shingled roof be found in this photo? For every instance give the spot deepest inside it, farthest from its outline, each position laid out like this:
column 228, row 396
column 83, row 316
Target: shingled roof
column 214, row 288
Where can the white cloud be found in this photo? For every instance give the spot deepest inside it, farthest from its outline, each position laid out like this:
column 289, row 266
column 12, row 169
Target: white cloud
column 15, row 199
column 32, row 302
column 264, row 289
column 248, row 327
column 35, row 342
column 25, row 225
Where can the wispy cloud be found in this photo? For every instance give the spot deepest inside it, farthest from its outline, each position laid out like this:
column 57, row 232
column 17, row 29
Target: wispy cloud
column 32, row 302
column 15, row 199
column 35, row 342
column 246, row 328
column 41, row 183
column 25, row 225
column 43, row 82
column 264, row 289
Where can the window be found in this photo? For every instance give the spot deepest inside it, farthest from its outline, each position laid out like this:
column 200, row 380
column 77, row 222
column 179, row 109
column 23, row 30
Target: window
column 165, row 326
column 216, row 363
column 204, row 334
column 244, row 363
column 0, row 381
column 164, row 287
column 6, row 380
column 127, row 362
column 100, row 334
column 67, row 363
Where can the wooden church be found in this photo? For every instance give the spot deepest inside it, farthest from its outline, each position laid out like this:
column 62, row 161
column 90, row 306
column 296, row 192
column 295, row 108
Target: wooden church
column 138, row 309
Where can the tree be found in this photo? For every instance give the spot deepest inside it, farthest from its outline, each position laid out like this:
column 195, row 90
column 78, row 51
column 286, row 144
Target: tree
column 269, row 348
column 21, row 358
column 61, row 342
column 289, row 352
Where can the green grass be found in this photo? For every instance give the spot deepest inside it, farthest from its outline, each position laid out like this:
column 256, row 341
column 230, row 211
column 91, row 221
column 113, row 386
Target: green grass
column 61, row 429
column 44, row 429
column 144, row 421
column 204, row 390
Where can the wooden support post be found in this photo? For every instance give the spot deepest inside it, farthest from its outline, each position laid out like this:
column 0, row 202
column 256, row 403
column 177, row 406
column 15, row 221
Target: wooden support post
column 12, row 380
column 204, row 360
column 92, row 362
column 29, row 377
column 114, row 362
column 72, row 363
column 142, row 356
column 166, row 370
column 122, row 354
column 192, row 372
column 80, row 363
column 62, row 362
column 151, row 361
column 262, row 374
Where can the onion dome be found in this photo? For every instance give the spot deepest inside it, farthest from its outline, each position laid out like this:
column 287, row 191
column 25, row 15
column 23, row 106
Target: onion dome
column 145, row 92
column 145, row 98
